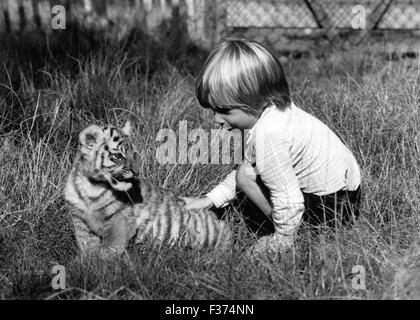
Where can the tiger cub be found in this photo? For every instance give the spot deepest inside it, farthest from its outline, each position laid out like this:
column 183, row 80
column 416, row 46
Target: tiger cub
column 111, row 205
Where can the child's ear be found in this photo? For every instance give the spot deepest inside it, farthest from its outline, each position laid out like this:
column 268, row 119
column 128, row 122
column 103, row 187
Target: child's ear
column 91, row 136
column 127, row 128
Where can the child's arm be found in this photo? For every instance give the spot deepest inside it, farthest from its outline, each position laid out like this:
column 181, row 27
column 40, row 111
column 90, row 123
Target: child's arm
column 224, row 192
column 220, row 195
column 274, row 164
column 197, row 203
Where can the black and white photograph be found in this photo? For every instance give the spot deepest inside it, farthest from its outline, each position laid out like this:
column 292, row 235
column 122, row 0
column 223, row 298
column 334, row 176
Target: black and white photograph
column 210, row 155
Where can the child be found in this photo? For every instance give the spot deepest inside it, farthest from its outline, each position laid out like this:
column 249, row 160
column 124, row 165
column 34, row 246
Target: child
column 295, row 168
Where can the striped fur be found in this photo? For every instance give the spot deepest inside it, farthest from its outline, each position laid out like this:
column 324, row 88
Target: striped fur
column 111, row 205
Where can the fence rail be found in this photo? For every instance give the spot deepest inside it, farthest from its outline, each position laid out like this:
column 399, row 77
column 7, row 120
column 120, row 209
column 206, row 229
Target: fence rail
column 209, row 20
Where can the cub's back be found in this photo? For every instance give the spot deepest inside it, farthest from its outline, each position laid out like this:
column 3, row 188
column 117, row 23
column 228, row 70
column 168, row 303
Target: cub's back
column 163, row 216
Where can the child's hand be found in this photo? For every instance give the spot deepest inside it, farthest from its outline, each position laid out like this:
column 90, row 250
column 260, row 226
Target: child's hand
column 197, row 203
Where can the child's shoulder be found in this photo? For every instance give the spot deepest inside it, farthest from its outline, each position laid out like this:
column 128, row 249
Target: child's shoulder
column 274, row 119
column 274, row 122
column 287, row 123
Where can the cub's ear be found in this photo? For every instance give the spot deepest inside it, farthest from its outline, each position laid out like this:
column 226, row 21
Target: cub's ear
column 127, row 128
column 91, row 136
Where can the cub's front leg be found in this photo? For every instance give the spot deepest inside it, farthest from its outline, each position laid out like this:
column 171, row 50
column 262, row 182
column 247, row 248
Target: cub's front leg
column 118, row 232
column 87, row 239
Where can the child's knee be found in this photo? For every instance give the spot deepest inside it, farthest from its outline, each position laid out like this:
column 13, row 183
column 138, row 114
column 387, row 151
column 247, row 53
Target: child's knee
column 244, row 177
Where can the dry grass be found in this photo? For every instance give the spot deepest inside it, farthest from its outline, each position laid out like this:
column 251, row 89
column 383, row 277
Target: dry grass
column 49, row 93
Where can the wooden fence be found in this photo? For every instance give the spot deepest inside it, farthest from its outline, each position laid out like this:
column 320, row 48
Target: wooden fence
column 199, row 16
column 207, row 21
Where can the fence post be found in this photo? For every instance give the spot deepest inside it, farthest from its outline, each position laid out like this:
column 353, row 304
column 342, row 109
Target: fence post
column 70, row 17
column 200, row 11
column 150, row 24
column 99, row 7
column 191, row 16
column 44, row 12
column 196, row 21
column 147, row 5
column 140, row 17
column 29, row 17
column 3, row 26
column 87, row 6
column 212, row 22
column 12, row 8
column 166, row 9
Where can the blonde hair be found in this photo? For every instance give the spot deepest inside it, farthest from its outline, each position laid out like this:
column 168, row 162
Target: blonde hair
column 242, row 74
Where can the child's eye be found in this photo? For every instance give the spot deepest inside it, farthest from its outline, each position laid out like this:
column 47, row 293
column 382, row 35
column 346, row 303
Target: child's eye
column 222, row 110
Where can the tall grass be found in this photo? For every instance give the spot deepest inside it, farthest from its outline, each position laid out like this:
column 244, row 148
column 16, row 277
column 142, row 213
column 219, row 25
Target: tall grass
column 50, row 90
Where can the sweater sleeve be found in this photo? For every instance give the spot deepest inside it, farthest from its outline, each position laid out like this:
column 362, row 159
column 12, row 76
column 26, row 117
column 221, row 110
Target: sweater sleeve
column 274, row 164
column 225, row 191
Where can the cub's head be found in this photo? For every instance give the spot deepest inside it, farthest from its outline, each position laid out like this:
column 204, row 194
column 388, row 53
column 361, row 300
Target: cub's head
column 107, row 155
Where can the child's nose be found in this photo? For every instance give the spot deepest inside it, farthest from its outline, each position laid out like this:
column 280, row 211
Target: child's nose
column 218, row 119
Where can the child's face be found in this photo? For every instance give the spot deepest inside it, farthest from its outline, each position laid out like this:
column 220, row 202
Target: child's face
column 235, row 118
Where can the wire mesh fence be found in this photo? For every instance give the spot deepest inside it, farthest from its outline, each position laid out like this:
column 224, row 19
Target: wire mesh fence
column 306, row 25
column 264, row 14
column 341, row 14
column 402, row 15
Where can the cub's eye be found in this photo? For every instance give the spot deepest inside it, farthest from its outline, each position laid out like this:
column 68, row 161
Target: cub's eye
column 116, row 157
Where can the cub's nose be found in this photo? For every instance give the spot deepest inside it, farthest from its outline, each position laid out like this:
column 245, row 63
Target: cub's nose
column 134, row 165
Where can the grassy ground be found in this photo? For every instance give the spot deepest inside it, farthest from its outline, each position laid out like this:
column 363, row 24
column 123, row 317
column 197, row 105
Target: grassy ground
column 50, row 90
